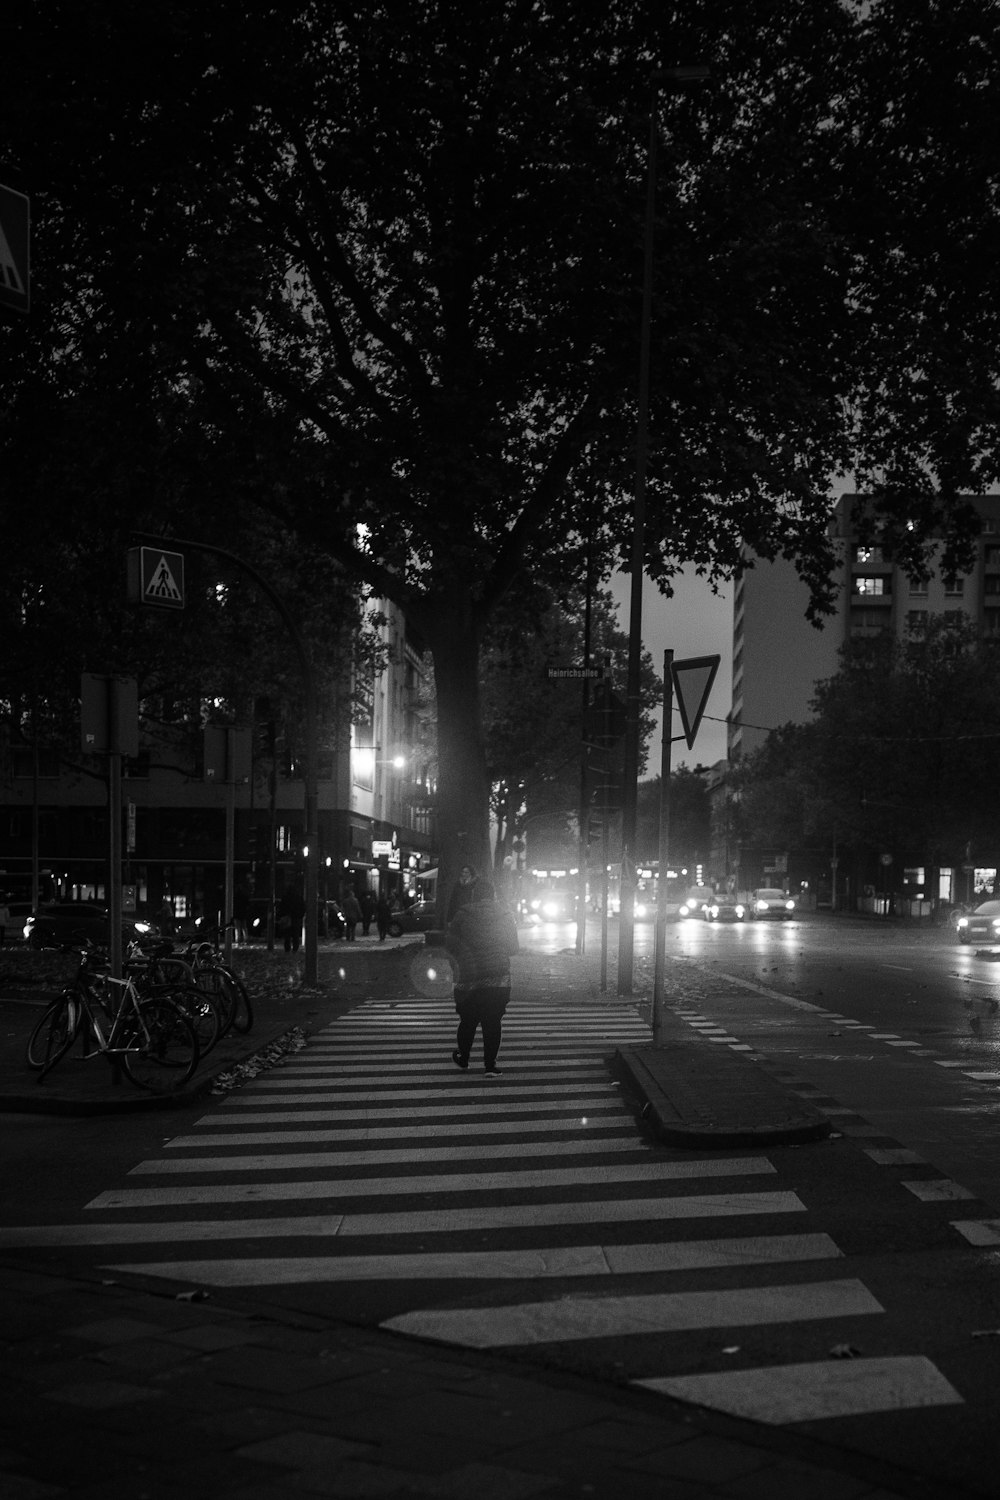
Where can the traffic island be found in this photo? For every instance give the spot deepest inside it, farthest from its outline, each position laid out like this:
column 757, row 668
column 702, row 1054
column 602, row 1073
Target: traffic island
column 705, row 1097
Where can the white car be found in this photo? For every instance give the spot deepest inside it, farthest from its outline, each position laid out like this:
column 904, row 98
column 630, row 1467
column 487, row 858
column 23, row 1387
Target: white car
column 768, row 902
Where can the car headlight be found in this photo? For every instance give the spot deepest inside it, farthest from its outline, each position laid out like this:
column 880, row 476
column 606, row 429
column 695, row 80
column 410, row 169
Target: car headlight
column 962, row 922
column 789, row 905
column 143, row 927
column 711, row 911
column 740, row 911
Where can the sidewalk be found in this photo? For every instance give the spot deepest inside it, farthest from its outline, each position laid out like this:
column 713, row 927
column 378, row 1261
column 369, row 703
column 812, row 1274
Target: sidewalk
column 123, row 1389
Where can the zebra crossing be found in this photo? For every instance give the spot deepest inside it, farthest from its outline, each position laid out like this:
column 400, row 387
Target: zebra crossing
column 529, row 1207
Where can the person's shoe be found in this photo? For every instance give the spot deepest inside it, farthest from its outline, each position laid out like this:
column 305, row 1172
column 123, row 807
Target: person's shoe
column 459, row 1060
column 493, row 1072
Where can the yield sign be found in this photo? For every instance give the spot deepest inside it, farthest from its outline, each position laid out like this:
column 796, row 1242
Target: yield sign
column 15, row 231
column 693, row 681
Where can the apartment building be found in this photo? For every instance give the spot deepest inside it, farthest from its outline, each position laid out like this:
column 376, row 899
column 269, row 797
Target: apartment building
column 778, row 656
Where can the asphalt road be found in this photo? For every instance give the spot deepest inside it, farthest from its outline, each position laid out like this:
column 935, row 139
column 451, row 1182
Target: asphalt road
column 362, row 1183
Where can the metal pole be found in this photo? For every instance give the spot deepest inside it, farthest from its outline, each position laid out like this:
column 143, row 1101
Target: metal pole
column 677, row 78
column 115, row 831
column 660, row 956
column 630, row 777
column 228, row 900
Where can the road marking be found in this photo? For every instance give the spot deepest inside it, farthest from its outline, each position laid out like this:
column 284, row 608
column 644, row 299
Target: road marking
column 478, row 1082
column 572, row 1318
column 334, row 1113
column 938, row 1190
column 688, row 1206
column 457, row 1265
column 298, row 1161
column 811, row 1392
column 978, row 1231
column 409, row 1129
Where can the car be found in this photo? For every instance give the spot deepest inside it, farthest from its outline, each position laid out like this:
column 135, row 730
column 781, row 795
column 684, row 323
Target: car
column 695, row 903
column 552, row 906
column 981, row 926
column 769, row 902
column 725, row 909
column 58, row 924
column 420, row 917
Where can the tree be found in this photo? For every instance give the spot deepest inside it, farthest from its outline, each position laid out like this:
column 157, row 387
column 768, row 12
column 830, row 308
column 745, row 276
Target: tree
column 398, row 245
column 898, row 757
column 534, row 724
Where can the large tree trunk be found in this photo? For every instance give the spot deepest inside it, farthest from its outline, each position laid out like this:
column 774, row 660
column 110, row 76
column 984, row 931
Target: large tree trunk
column 463, row 785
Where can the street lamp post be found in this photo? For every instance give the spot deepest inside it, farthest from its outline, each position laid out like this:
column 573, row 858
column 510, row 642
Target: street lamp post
column 678, row 78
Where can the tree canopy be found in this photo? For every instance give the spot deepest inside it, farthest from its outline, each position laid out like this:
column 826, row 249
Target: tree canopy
column 387, row 253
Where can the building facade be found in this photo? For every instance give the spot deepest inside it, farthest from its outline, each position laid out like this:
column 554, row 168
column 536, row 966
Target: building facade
column 779, row 657
column 376, row 788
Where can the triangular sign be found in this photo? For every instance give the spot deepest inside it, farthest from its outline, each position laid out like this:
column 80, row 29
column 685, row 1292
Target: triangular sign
column 163, row 586
column 693, row 681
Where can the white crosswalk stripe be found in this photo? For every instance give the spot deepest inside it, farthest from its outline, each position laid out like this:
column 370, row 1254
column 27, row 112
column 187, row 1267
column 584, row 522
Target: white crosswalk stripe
column 386, row 1165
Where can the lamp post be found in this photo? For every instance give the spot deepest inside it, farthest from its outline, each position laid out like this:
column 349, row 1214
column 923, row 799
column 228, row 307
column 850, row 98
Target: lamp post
column 677, row 78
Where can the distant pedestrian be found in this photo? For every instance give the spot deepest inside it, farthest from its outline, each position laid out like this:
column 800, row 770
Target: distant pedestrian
column 368, row 903
column 463, row 892
column 291, row 914
column 351, row 909
column 4, row 919
column 481, row 938
column 383, row 916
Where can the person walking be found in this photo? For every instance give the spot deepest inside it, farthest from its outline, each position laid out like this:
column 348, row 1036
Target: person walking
column 367, row 899
column 383, row 916
column 462, row 892
column 291, row 914
column 351, row 908
column 481, row 938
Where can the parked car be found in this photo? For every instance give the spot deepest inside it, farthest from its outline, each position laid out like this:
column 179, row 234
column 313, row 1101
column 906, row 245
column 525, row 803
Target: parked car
column 420, row 917
column 725, row 909
column 981, row 926
column 63, row 922
column 769, row 902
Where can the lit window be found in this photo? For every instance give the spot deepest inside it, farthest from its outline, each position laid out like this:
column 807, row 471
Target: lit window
column 870, row 584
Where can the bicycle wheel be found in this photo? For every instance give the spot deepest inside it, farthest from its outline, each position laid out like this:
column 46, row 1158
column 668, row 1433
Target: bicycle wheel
column 242, row 1009
column 214, row 984
column 202, row 1008
column 163, row 1052
column 53, row 1034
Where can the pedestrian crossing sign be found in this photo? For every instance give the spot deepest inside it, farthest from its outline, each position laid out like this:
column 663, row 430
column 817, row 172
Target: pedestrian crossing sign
column 156, row 577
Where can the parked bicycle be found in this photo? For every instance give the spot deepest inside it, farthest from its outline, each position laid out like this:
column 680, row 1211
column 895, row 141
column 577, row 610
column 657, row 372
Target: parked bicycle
column 158, row 969
column 147, row 1033
column 212, row 974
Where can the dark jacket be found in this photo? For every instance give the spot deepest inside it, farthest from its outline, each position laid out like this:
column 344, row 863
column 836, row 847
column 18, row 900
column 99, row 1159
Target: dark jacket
column 481, row 938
